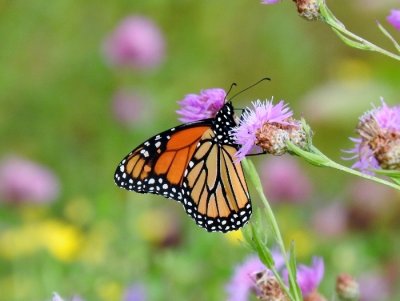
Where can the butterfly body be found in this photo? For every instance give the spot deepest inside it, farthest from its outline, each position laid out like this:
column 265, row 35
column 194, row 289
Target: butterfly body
column 193, row 164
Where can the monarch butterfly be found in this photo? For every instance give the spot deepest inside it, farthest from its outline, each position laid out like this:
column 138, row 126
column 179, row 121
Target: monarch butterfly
column 194, row 164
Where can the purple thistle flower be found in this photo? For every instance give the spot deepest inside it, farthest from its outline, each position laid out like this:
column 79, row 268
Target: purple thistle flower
column 249, row 132
column 136, row 292
column 242, row 282
column 270, row 1
column 284, row 180
column 379, row 141
column 309, row 278
column 394, row 18
column 130, row 108
column 205, row 105
column 137, row 42
column 26, row 181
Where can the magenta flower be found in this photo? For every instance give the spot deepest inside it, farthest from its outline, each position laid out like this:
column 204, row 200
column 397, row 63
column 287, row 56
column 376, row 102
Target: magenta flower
column 205, row 105
column 26, row 181
column 264, row 118
column 331, row 220
column 284, row 180
column 137, row 42
column 135, row 292
column 309, row 278
column 394, row 18
column 269, row 1
column 242, row 282
column 379, row 141
column 130, row 108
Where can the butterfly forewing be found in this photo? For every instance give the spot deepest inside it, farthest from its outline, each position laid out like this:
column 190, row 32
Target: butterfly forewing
column 157, row 165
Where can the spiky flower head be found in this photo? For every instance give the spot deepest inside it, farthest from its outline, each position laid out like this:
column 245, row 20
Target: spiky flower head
column 308, row 9
column 269, row 127
column 268, row 287
column 205, row 105
column 378, row 144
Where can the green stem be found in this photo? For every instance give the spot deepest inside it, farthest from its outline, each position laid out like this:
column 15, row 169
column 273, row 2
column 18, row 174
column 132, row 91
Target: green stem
column 333, row 164
column 347, row 36
column 251, row 171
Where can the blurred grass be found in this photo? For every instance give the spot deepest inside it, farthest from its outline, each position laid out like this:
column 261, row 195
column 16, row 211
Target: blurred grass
column 55, row 97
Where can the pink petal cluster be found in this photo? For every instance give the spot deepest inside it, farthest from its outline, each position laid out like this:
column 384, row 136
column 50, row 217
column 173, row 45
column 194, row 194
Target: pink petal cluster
column 201, row 106
column 394, row 18
column 136, row 42
column 129, row 107
column 135, row 292
column 25, row 181
column 253, row 120
column 269, row 1
column 309, row 278
column 242, row 282
column 284, row 180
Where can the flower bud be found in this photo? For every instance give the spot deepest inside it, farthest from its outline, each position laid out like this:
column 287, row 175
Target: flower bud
column 308, row 9
column 347, row 288
column 269, row 288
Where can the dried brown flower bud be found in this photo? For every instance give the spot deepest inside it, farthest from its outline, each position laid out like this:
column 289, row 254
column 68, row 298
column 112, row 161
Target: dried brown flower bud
column 269, row 288
column 272, row 136
column 347, row 288
column 308, row 9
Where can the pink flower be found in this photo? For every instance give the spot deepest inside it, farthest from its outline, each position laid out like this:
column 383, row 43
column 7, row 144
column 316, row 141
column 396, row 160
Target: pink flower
column 136, row 292
column 331, row 220
column 269, row 1
column 242, row 282
column 309, row 278
column 136, row 42
column 379, row 141
column 25, row 181
column 374, row 286
column 253, row 121
column 130, row 108
column 201, row 106
column 394, row 18
column 284, row 180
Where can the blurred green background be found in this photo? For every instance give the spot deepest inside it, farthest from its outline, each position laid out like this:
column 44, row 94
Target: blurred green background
column 95, row 240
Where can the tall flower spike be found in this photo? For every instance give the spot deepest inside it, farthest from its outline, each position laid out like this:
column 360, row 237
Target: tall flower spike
column 269, row 127
column 378, row 144
column 201, row 106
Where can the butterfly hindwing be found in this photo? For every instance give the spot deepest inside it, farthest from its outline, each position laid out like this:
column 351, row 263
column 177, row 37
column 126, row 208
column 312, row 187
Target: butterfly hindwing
column 215, row 192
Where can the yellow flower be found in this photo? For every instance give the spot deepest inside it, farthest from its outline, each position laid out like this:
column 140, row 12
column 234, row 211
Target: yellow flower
column 235, row 237
column 62, row 240
column 110, row 291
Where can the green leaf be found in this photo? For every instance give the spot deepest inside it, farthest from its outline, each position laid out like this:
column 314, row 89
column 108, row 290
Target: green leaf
column 292, row 269
column 393, row 174
column 313, row 158
column 351, row 42
column 389, row 36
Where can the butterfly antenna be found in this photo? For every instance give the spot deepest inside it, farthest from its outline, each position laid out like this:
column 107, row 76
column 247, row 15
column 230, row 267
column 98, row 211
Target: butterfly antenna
column 229, row 91
column 249, row 87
